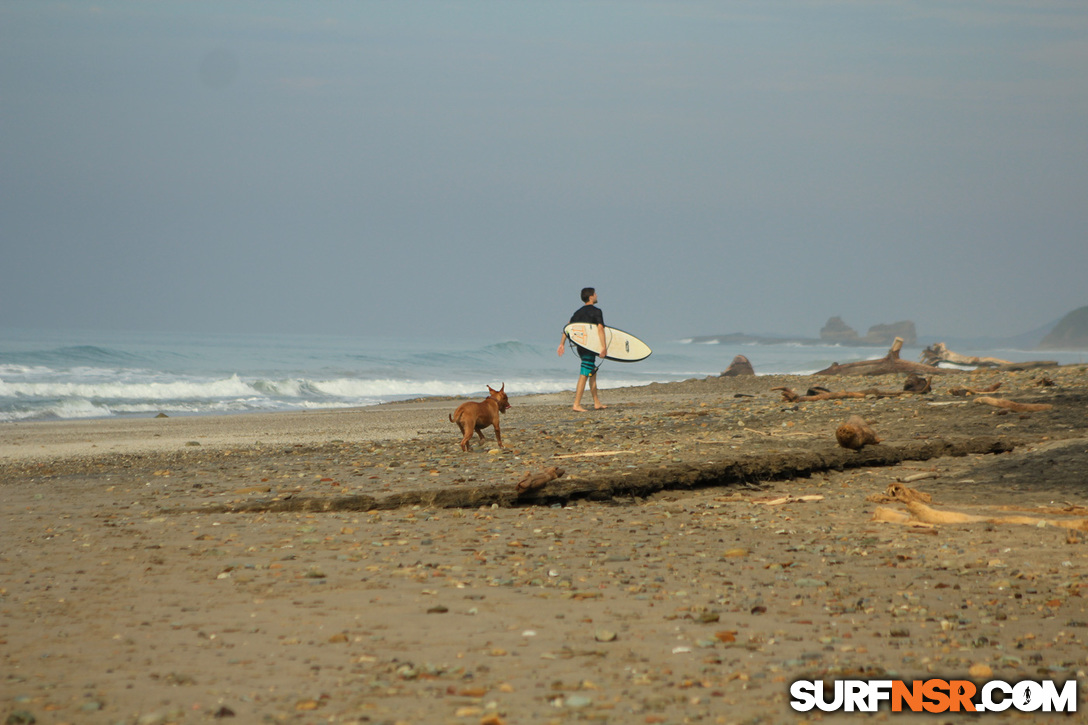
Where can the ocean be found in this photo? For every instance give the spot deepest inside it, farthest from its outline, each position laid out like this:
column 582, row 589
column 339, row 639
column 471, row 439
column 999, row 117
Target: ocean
column 51, row 375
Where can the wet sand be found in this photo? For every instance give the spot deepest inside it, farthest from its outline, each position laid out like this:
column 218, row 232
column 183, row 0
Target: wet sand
column 708, row 544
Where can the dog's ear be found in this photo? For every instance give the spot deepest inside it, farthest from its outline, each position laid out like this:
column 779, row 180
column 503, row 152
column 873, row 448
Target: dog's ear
column 503, row 388
column 491, row 389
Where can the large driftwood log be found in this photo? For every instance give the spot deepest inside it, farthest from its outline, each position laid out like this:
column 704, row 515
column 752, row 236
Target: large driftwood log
column 926, row 514
column 939, row 352
column 887, row 365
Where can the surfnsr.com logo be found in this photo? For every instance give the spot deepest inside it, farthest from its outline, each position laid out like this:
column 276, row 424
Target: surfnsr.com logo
column 934, row 695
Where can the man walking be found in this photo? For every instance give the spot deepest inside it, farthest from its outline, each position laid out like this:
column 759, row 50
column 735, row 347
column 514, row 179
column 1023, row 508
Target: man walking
column 590, row 313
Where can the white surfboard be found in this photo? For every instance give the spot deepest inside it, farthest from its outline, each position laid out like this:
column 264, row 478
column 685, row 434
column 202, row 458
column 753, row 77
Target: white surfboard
column 622, row 346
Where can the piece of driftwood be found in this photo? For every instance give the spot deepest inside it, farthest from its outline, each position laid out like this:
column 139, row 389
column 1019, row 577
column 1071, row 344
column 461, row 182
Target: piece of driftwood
column 779, row 500
column 917, row 384
column 790, row 396
column 919, row 514
column 919, row 476
column 1031, row 365
column 926, row 514
column 855, row 434
column 885, row 515
column 535, row 481
column 962, row 392
column 939, row 352
column 1013, row 405
column 876, row 393
column 898, row 493
column 776, row 434
column 887, row 365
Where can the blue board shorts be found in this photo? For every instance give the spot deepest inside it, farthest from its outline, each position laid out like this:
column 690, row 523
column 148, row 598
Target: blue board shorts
column 589, row 358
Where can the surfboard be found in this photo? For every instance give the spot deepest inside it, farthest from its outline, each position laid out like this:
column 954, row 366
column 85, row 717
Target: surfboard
column 622, row 346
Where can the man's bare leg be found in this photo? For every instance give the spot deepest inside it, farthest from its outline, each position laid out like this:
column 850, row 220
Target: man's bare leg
column 597, row 404
column 578, row 394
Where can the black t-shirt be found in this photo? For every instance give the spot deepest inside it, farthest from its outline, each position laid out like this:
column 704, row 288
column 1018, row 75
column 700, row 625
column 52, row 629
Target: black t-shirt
column 588, row 313
column 592, row 315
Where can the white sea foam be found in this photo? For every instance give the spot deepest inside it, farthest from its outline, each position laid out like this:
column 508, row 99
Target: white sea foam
column 181, row 389
column 65, row 409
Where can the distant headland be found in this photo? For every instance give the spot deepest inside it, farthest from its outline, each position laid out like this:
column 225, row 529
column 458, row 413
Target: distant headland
column 1068, row 333
column 1071, row 332
column 835, row 332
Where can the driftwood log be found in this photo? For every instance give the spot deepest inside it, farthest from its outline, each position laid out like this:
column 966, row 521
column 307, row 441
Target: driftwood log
column 1013, row 405
column 939, row 352
column 887, row 365
column 962, row 392
column 535, row 481
column 790, row 396
column 1031, row 365
column 917, row 384
column 921, row 514
column 898, row 493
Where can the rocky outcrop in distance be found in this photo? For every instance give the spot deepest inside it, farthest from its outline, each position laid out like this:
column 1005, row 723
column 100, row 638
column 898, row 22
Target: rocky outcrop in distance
column 836, row 330
column 740, row 366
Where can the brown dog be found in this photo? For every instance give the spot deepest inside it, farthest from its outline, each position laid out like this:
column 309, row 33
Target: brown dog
column 474, row 416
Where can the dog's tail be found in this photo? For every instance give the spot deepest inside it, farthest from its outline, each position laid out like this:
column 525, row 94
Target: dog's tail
column 451, row 418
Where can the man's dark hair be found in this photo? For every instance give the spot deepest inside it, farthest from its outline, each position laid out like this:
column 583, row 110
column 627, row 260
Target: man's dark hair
column 587, row 292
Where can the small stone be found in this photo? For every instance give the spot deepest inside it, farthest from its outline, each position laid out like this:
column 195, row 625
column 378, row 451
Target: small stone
column 981, row 671
column 578, row 701
column 604, row 635
column 811, row 583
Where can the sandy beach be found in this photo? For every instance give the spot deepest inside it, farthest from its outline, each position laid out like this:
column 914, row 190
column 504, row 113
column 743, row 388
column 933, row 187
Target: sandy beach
column 708, row 543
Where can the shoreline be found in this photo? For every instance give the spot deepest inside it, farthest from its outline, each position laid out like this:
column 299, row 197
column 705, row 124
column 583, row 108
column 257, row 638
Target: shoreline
column 51, row 439
column 394, row 420
column 708, row 544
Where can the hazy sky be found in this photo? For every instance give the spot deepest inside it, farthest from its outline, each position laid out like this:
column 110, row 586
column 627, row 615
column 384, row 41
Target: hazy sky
column 375, row 168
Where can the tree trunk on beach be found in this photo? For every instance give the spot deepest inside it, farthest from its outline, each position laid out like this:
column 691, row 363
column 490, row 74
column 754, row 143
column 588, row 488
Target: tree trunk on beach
column 887, row 365
column 939, row 352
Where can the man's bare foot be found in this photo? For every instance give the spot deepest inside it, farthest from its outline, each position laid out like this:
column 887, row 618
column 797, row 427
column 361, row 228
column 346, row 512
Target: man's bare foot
column 580, row 409
column 599, row 406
